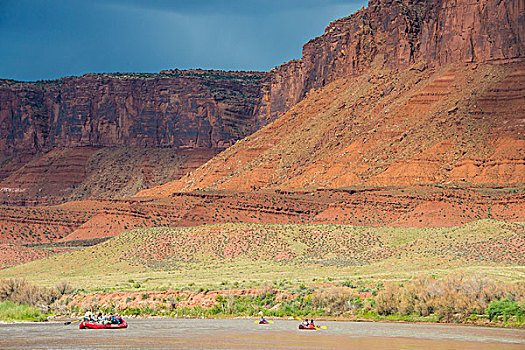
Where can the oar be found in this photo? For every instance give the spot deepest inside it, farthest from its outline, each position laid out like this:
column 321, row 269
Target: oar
column 70, row 322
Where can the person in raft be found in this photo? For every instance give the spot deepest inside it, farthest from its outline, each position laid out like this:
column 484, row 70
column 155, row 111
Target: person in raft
column 305, row 323
column 312, row 323
column 88, row 316
column 103, row 318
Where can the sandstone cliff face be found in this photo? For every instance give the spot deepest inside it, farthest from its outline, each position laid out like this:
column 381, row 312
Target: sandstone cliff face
column 399, row 33
column 474, row 31
column 209, row 110
column 194, row 109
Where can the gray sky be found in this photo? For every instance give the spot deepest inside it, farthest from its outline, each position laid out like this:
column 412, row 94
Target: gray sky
column 46, row 39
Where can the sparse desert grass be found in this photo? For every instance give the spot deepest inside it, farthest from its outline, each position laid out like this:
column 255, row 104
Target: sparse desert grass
column 203, row 255
column 418, row 206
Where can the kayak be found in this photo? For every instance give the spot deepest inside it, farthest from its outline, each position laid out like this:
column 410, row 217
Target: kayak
column 308, row 328
column 96, row 325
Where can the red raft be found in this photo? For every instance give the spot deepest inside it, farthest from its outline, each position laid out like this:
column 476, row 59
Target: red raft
column 308, row 328
column 96, row 325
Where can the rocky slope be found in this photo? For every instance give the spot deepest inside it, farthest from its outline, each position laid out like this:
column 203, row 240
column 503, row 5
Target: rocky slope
column 65, row 174
column 384, row 128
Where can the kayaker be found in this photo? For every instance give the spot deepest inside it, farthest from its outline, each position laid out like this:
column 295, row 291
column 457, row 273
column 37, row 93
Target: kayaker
column 261, row 319
column 312, row 323
column 305, row 323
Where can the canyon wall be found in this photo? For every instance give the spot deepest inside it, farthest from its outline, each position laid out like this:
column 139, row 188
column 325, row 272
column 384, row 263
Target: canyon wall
column 111, row 135
column 183, row 109
column 212, row 109
column 400, row 33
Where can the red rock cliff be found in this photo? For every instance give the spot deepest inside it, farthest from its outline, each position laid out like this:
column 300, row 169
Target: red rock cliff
column 195, row 109
column 400, row 33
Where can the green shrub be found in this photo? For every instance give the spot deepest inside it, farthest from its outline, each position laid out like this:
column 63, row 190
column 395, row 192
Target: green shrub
column 10, row 311
column 503, row 307
column 135, row 311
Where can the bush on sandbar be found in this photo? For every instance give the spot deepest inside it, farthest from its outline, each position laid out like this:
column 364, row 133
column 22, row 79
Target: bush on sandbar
column 452, row 299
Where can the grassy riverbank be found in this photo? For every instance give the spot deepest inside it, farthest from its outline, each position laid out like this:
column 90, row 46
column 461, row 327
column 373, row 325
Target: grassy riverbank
column 453, row 299
column 452, row 274
column 10, row 311
column 456, row 299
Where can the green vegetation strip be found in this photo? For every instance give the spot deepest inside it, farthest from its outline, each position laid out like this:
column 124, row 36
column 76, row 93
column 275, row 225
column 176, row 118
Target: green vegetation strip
column 453, row 299
column 10, row 311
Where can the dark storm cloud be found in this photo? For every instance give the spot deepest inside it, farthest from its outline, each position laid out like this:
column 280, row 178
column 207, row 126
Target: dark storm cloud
column 53, row 38
column 246, row 7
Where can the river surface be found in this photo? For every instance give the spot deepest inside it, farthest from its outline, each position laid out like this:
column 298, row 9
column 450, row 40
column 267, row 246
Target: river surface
column 244, row 334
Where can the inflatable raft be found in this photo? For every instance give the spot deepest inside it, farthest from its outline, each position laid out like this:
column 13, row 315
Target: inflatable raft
column 97, row 325
column 309, row 327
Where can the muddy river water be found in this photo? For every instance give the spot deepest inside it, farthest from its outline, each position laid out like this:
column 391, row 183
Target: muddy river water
column 244, row 334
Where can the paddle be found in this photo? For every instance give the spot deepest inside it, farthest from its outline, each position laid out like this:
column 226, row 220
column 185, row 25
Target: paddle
column 70, row 322
column 316, row 327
